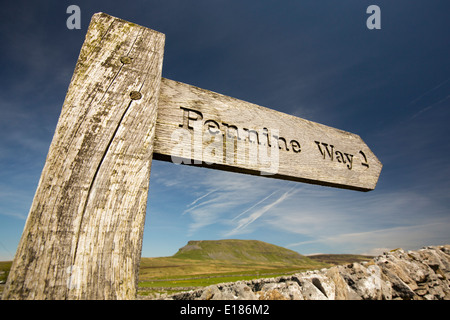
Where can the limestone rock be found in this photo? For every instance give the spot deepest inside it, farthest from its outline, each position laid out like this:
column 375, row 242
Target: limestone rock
column 236, row 291
column 325, row 285
column 289, row 290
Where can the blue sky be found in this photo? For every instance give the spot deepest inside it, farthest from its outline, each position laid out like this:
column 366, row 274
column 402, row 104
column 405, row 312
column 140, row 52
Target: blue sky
column 312, row 59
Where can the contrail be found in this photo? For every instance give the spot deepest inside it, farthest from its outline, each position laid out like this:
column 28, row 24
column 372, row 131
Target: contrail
column 253, row 206
column 257, row 214
column 432, row 89
column 200, row 198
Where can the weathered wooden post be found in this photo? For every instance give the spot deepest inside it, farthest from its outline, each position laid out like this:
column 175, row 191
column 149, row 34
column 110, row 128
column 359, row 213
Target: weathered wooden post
column 83, row 235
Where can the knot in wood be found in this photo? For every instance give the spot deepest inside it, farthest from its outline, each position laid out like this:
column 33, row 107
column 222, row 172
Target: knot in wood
column 135, row 95
column 125, row 60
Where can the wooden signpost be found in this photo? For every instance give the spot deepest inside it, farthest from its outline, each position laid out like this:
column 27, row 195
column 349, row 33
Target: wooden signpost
column 83, row 235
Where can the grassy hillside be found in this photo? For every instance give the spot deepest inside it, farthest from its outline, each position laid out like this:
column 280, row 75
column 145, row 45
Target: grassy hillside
column 5, row 266
column 201, row 263
column 240, row 252
column 214, row 258
column 4, row 270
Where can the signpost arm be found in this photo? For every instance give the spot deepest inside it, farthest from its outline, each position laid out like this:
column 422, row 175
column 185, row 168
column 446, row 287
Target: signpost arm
column 209, row 129
column 83, row 235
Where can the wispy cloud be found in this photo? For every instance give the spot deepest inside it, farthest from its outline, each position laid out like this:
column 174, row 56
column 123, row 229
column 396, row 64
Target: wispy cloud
column 369, row 242
column 221, row 198
column 200, row 198
column 362, row 222
column 193, row 205
column 246, row 221
column 431, row 98
column 15, row 202
column 429, row 107
column 429, row 91
column 313, row 218
column 254, row 205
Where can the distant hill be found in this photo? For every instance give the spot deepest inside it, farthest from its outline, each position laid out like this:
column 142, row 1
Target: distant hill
column 338, row 259
column 240, row 252
column 204, row 262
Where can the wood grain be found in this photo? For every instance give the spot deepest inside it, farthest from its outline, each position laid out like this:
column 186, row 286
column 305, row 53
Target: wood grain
column 233, row 134
column 83, row 235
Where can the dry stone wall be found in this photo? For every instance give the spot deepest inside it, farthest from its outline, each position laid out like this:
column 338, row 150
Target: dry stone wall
column 396, row 275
